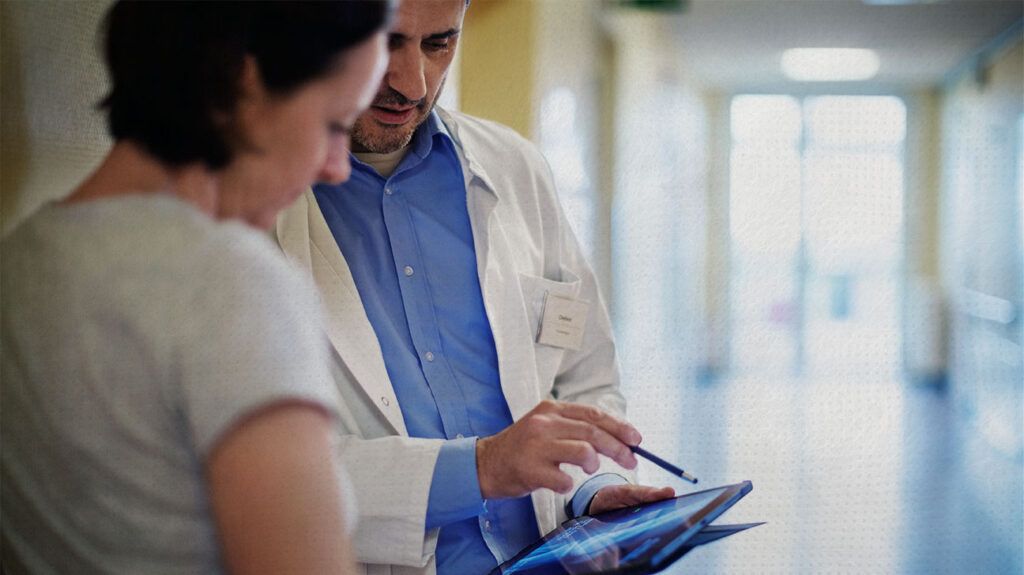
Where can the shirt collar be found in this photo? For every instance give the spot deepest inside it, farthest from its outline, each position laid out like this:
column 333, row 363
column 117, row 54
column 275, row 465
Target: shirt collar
column 420, row 146
column 423, row 140
column 476, row 170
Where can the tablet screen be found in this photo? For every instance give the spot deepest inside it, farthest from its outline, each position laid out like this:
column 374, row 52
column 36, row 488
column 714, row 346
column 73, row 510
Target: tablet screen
column 625, row 539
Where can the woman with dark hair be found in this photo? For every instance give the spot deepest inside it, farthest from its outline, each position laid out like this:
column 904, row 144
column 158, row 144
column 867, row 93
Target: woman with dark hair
column 167, row 405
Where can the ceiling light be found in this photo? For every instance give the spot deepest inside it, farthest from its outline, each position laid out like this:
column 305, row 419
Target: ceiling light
column 900, row 2
column 829, row 64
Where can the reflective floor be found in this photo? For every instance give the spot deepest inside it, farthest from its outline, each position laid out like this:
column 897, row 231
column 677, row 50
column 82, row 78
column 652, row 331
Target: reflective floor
column 865, row 475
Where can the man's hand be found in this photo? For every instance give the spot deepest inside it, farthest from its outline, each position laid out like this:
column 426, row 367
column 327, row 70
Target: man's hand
column 525, row 456
column 618, row 496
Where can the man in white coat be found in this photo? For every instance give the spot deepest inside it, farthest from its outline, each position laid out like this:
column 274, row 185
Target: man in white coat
column 473, row 352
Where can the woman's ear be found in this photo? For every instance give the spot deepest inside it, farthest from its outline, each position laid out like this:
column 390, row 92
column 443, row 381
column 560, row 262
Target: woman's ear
column 250, row 81
column 242, row 123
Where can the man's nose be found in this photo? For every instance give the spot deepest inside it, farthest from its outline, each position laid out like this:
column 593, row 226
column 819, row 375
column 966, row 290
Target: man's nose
column 405, row 73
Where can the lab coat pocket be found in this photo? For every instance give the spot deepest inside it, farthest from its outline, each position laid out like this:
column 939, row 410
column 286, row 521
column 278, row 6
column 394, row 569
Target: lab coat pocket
column 535, row 292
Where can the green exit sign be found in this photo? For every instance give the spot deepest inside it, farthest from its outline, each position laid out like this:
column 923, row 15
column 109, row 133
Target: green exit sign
column 655, row 5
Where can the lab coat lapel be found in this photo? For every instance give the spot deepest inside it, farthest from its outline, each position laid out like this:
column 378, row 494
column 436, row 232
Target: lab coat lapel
column 499, row 281
column 347, row 326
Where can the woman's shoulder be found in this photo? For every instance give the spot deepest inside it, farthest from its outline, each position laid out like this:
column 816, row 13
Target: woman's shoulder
column 173, row 234
column 146, row 244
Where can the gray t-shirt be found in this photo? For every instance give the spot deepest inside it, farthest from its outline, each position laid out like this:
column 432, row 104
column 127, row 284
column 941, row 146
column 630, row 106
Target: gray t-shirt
column 135, row 332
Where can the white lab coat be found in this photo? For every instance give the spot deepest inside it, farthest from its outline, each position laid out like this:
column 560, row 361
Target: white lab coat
column 525, row 249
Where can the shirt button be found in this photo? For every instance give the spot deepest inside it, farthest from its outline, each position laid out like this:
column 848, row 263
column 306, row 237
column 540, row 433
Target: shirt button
column 487, row 525
column 459, row 436
column 408, row 271
column 429, row 355
column 385, row 401
column 388, row 191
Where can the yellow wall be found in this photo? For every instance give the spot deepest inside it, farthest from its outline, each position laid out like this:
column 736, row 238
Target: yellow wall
column 496, row 77
column 53, row 76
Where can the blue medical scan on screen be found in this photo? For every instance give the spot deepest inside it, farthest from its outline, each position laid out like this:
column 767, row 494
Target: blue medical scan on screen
column 613, row 541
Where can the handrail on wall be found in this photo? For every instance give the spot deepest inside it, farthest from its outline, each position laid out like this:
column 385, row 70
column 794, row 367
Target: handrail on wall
column 988, row 307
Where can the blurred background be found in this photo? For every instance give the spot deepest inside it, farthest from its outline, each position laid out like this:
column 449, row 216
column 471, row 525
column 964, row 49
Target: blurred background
column 814, row 259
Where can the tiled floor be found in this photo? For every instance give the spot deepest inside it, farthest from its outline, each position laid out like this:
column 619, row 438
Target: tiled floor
column 862, row 475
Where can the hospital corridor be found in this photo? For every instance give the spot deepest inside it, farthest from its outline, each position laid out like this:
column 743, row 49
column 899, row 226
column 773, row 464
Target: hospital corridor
column 813, row 259
column 806, row 218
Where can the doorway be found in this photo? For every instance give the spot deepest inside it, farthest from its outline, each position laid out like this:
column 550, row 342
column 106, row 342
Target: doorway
column 816, row 232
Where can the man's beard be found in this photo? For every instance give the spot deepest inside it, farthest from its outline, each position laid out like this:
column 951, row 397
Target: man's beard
column 370, row 136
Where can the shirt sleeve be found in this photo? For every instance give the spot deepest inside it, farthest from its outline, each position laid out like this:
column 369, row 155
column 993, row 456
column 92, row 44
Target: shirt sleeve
column 249, row 337
column 455, row 486
column 580, row 502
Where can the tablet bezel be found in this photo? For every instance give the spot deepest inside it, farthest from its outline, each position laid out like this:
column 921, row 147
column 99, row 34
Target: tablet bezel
column 707, row 514
column 671, row 550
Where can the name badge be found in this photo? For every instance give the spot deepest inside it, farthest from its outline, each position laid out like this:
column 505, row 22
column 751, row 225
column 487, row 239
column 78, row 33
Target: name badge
column 563, row 322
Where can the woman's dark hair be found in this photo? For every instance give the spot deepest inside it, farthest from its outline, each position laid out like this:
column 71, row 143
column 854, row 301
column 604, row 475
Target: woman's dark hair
column 175, row 66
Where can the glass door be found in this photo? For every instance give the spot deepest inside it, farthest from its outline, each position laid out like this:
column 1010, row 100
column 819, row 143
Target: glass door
column 765, row 232
column 816, row 220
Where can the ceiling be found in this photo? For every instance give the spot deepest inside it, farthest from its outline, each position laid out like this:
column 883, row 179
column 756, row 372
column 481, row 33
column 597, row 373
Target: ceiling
column 737, row 44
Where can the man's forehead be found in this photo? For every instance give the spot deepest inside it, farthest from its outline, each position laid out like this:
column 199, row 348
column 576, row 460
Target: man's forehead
column 419, row 18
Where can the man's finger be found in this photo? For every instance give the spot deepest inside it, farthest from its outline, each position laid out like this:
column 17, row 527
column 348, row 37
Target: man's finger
column 578, row 453
column 602, row 441
column 620, row 429
column 623, row 495
column 550, row 477
column 647, row 494
column 618, row 496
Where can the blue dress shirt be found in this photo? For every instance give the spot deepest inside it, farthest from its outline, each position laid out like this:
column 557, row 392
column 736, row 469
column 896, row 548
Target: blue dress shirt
column 409, row 244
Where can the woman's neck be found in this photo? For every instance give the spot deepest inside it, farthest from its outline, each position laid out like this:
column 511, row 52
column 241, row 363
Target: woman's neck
column 129, row 170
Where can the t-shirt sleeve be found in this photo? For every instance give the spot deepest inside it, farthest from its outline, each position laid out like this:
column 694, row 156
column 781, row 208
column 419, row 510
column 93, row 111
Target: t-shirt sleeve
column 250, row 337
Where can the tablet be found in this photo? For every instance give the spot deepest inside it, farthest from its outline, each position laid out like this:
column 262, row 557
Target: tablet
column 637, row 540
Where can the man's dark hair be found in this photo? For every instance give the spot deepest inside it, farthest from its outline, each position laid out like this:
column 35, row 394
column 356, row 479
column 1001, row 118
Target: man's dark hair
column 175, row 66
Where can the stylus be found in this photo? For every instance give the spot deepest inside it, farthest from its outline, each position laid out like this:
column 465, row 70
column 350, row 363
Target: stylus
column 663, row 464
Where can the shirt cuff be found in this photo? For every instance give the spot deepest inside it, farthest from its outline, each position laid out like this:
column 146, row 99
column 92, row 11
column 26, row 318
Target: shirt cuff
column 580, row 502
column 455, row 486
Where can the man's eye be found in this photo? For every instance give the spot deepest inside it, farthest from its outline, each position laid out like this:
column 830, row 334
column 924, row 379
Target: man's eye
column 436, row 46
